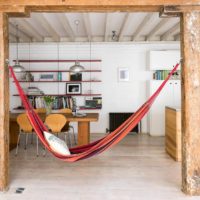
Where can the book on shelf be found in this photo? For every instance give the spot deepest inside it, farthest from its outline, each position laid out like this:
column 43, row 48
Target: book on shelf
column 59, row 102
column 162, row 75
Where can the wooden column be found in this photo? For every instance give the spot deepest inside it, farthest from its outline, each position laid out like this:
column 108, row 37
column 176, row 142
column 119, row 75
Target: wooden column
column 4, row 103
column 190, row 47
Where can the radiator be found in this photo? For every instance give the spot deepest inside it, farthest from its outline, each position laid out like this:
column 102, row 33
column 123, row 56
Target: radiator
column 116, row 119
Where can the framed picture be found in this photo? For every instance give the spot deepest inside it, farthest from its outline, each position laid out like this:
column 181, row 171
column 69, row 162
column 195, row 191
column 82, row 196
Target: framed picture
column 123, row 74
column 73, row 88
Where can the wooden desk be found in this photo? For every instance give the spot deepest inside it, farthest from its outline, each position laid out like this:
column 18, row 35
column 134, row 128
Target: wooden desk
column 83, row 127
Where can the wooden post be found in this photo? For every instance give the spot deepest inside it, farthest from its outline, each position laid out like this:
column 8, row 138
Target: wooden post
column 190, row 47
column 4, row 103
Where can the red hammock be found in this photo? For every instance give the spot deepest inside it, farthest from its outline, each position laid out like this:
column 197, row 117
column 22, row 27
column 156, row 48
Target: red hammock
column 89, row 150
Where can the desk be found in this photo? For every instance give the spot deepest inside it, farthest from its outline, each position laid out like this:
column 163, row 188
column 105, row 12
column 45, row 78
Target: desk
column 83, row 127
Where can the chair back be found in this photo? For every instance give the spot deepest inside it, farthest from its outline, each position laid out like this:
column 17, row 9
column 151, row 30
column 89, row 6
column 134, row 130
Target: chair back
column 40, row 110
column 55, row 122
column 65, row 110
column 24, row 123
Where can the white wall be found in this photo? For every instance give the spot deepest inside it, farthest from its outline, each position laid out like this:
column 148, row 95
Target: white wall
column 117, row 96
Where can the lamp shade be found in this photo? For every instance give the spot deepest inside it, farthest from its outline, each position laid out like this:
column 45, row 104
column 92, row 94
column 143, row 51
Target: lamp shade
column 76, row 67
column 17, row 67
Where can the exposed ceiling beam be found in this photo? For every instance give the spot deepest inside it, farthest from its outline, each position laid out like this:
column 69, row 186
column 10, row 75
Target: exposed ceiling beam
column 146, row 19
column 87, row 25
column 66, row 25
column 170, row 32
column 107, row 25
column 21, row 34
column 12, row 38
column 157, row 28
column 123, row 27
column 177, row 37
column 28, row 29
column 41, row 19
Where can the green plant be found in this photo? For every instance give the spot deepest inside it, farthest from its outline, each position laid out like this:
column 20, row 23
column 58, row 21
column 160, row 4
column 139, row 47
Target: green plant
column 49, row 100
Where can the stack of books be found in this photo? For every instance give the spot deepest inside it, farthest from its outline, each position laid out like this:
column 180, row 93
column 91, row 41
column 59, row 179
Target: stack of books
column 34, row 91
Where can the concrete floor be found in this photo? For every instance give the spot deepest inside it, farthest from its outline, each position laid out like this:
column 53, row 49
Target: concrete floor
column 136, row 169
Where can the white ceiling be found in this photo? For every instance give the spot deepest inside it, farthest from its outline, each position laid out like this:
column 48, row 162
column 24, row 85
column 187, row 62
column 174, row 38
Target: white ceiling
column 97, row 27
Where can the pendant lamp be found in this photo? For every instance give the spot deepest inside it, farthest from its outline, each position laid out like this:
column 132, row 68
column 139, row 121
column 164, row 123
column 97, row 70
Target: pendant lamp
column 76, row 68
column 17, row 67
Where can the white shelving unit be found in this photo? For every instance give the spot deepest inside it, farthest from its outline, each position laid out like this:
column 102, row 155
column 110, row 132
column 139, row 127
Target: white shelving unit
column 169, row 96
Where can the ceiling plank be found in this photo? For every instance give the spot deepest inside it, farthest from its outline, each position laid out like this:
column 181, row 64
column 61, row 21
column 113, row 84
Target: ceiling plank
column 157, row 28
column 12, row 38
column 66, row 25
column 123, row 27
column 28, row 29
column 146, row 19
column 21, row 34
column 41, row 19
column 177, row 37
column 87, row 25
column 107, row 25
column 170, row 32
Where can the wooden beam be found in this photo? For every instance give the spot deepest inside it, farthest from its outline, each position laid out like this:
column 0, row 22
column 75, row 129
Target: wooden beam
column 107, row 25
column 41, row 19
column 21, row 34
column 28, row 29
column 66, row 25
column 190, row 49
column 175, row 10
column 4, row 103
column 123, row 27
column 10, row 9
column 99, row 3
column 139, row 29
column 170, row 32
column 157, row 28
column 87, row 25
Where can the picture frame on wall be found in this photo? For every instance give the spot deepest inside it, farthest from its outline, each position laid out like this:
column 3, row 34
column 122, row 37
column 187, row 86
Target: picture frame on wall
column 73, row 88
column 123, row 74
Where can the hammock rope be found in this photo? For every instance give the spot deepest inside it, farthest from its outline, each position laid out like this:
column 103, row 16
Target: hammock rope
column 94, row 148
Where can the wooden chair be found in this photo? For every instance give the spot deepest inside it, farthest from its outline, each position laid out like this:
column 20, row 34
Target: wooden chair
column 55, row 123
column 67, row 126
column 25, row 128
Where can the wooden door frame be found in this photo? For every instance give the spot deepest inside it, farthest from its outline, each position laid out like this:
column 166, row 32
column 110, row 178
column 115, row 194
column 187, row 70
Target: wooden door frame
column 187, row 9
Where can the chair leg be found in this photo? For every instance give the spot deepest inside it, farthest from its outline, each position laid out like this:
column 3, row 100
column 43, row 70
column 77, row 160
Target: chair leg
column 69, row 139
column 32, row 138
column 16, row 152
column 73, row 134
column 44, row 154
column 26, row 141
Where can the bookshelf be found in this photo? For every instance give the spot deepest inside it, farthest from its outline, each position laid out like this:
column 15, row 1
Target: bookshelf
column 39, row 68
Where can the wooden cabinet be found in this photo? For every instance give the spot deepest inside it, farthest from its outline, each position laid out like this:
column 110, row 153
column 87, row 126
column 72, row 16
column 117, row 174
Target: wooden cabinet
column 169, row 96
column 173, row 132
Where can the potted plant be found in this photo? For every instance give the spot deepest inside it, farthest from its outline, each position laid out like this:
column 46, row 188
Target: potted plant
column 49, row 103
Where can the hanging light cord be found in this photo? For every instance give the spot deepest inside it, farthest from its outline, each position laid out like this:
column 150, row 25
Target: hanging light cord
column 58, row 75
column 77, row 24
column 90, row 68
column 17, row 39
